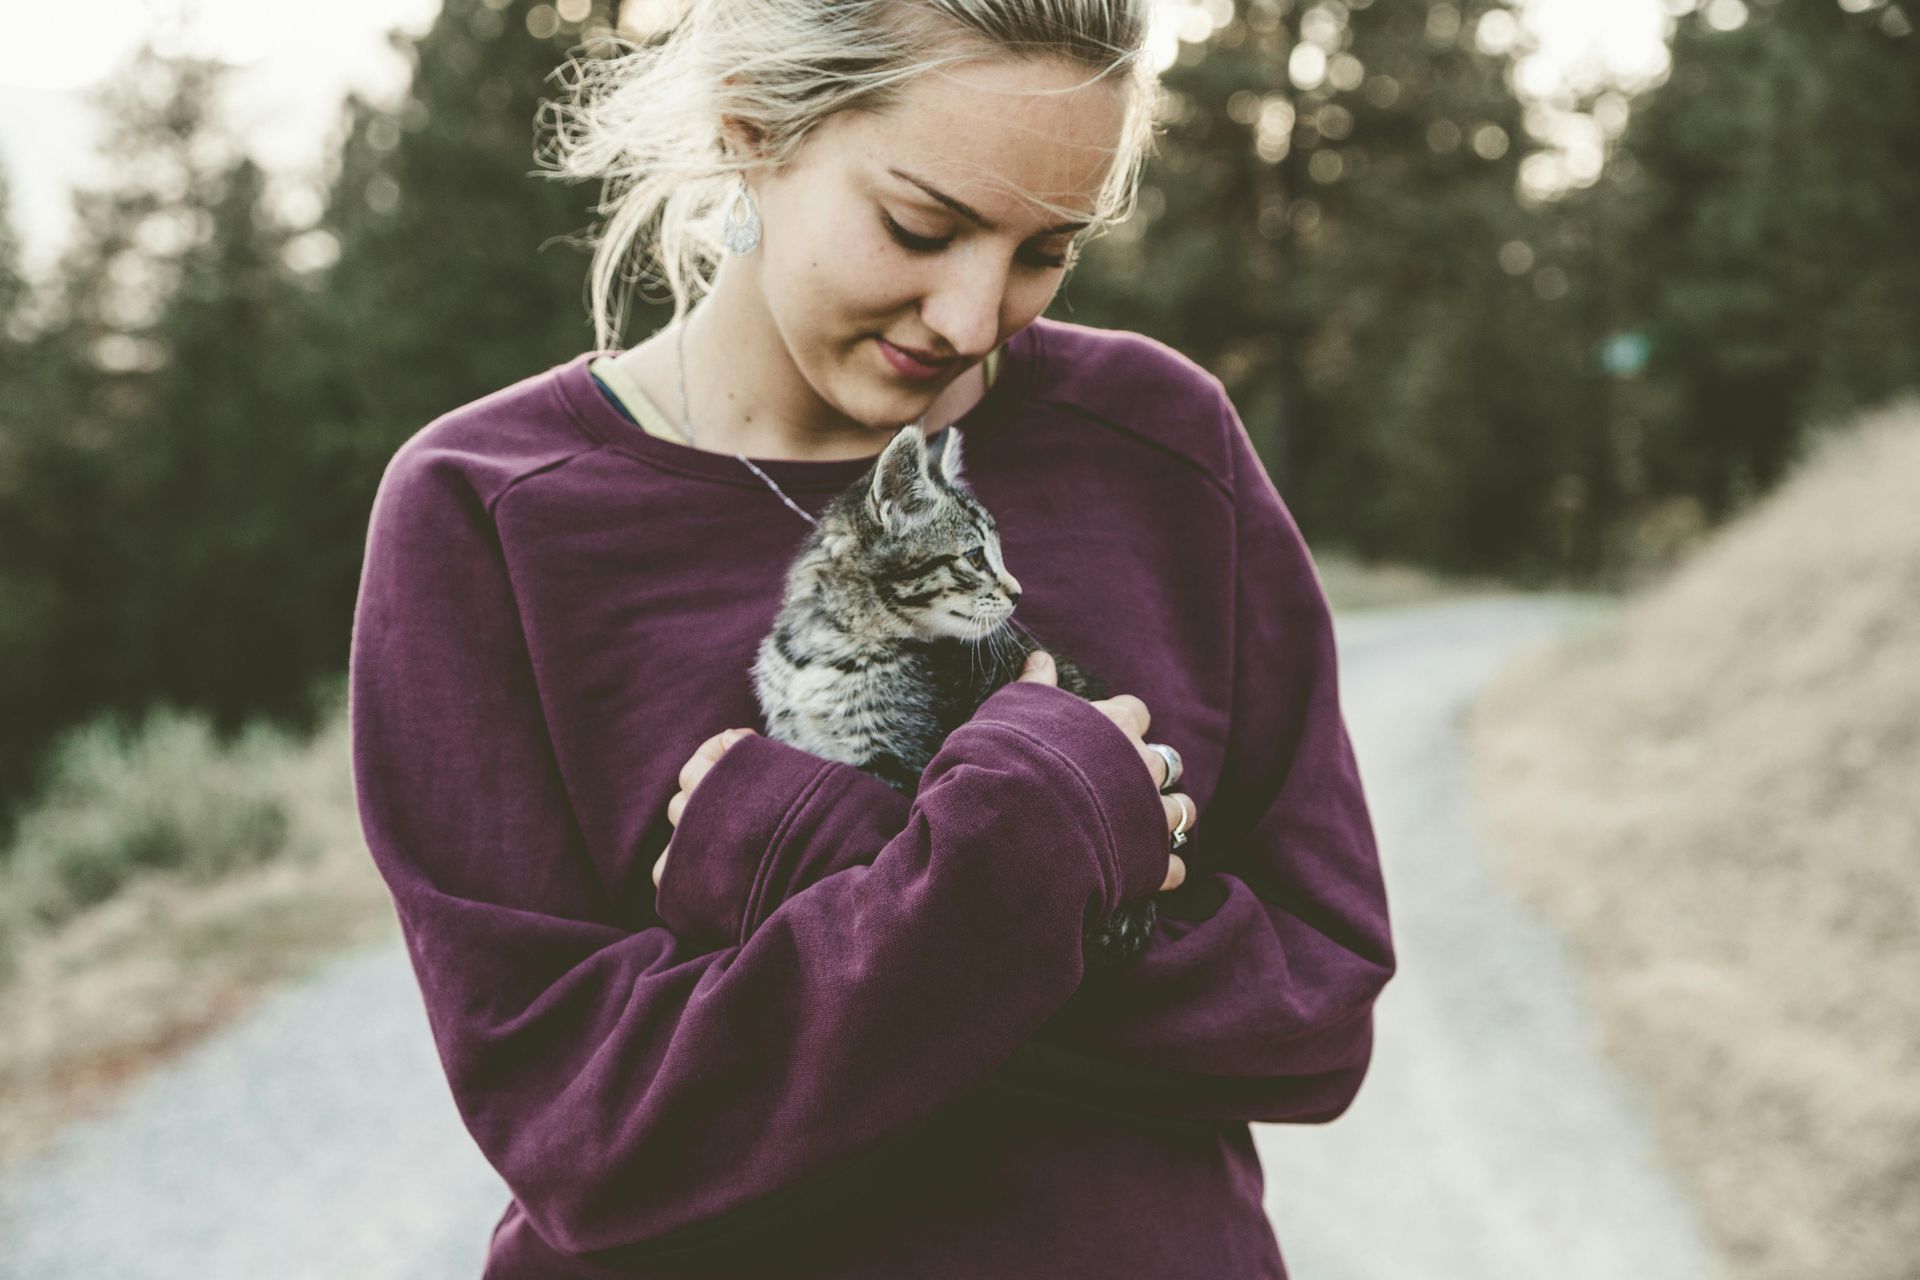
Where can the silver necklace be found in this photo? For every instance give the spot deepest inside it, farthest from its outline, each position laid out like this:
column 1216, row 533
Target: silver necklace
column 686, row 419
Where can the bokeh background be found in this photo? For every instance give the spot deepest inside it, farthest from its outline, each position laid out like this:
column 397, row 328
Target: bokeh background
column 1615, row 298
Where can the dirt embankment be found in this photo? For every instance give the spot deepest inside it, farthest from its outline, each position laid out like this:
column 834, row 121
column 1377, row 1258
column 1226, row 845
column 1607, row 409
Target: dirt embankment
column 1717, row 797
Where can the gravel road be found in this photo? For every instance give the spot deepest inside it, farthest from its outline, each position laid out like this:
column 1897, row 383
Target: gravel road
column 1490, row 1141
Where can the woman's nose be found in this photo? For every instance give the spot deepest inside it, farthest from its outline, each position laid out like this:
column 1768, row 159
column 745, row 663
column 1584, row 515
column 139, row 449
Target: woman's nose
column 966, row 309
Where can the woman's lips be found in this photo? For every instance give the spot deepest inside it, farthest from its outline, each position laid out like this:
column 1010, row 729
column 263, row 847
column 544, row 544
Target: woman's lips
column 908, row 366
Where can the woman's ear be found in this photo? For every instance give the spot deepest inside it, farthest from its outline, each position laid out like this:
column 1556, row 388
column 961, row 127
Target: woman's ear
column 739, row 139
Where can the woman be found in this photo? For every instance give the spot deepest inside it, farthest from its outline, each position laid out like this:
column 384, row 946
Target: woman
column 832, row 1031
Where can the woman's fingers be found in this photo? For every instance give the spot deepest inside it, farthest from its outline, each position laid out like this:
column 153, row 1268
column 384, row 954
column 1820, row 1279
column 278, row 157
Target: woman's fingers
column 705, row 754
column 1130, row 714
column 1176, row 872
column 1180, row 817
column 704, row 757
column 699, row 762
column 1126, row 711
column 1040, row 669
column 1155, row 762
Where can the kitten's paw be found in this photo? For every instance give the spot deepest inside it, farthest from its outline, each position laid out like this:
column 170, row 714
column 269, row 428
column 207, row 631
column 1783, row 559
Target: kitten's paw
column 1121, row 936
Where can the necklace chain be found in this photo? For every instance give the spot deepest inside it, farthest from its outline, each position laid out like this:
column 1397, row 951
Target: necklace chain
column 686, row 419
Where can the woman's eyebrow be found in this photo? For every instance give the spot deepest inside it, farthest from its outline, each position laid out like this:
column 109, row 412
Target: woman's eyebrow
column 967, row 211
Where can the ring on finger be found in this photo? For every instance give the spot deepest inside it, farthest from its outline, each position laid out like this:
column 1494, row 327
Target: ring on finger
column 1186, row 820
column 1174, row 766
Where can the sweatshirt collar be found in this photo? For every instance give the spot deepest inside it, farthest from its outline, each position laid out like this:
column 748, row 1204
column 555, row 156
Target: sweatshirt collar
column 573, row 382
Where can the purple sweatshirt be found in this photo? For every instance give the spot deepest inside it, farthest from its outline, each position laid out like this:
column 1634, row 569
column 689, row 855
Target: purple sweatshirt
column 851, row 1036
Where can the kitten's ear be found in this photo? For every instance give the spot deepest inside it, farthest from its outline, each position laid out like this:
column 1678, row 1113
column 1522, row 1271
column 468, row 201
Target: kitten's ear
column 948, row 458
column 900, row 480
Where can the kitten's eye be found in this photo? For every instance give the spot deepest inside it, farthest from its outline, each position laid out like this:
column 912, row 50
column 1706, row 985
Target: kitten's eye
column 978, row 558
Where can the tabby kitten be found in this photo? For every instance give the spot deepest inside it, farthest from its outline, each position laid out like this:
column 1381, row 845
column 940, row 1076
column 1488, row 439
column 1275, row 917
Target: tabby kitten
column 895, row 626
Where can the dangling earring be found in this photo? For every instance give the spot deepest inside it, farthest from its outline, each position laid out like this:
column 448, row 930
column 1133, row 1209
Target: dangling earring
column 742, row 236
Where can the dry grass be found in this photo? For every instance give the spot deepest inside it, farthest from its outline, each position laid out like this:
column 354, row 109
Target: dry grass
column 1715, row 796
column 1352, row 584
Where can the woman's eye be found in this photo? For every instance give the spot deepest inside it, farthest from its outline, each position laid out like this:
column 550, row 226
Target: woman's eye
column 908, row 240
column 933, row 244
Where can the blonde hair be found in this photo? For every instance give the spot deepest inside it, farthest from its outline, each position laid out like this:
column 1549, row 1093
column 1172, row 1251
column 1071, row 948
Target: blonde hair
column 644, row 117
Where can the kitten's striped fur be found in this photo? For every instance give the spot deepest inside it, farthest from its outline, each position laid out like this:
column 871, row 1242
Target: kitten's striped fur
column 896, row 623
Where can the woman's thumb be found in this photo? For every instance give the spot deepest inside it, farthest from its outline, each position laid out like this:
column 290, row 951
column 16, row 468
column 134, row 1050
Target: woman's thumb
column 1040, row 668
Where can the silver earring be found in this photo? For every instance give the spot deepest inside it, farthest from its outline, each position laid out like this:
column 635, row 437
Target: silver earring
column 742, row 236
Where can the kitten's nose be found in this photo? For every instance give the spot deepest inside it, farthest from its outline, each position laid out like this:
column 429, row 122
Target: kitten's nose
column 1011, row 585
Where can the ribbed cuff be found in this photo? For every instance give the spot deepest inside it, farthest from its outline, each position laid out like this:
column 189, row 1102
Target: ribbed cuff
column 765, row 821
column 844, row 820
column 1105, row 762
column 727, row 831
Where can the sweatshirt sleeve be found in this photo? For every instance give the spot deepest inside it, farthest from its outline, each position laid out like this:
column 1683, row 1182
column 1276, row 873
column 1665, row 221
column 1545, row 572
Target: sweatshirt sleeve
column 1253, row 999
column 806, row 818
column 635, row 1094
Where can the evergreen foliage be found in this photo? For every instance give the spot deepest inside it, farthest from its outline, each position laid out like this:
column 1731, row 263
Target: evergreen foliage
column 199, row 403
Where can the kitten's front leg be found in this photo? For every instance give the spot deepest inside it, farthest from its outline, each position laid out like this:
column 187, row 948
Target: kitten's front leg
column 1122, row 936
column 895, row 772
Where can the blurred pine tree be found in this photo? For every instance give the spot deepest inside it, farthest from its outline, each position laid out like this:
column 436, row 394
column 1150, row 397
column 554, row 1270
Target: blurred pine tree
column 14, row 295
column 1777, row 199
column 456, row 273
column 1325, row 228
column 84, row 561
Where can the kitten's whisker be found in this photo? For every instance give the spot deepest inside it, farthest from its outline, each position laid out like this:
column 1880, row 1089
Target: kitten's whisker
column 1004, row 649
column 973, row 649
column 1014, row 627
column 991, row 663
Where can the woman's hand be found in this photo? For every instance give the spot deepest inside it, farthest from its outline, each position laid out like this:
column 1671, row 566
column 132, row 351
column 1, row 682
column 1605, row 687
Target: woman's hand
column 703, row 758
column 1130, row 714
column 1125, row 710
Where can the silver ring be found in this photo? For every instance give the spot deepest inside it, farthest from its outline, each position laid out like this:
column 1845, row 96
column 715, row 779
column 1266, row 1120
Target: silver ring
column 1180, row 832
column 1174, row 766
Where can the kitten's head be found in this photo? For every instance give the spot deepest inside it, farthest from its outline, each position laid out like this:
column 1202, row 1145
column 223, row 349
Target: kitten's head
column 928, row 549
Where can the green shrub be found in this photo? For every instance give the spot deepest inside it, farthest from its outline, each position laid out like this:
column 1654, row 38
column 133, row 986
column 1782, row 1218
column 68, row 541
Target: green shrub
column 160, row 795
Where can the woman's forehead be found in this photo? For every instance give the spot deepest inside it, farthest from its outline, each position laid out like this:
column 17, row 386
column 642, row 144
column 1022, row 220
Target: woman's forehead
column 989, row 133
column 955, row 204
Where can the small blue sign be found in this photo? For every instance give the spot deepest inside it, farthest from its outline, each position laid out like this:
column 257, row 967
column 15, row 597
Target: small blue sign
column 1625, row 355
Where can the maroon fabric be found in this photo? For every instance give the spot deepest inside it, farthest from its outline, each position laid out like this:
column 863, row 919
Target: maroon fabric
column 853, row 1036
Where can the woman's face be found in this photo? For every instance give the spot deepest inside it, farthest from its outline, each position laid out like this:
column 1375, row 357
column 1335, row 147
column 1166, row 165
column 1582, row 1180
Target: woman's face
column 857, row 249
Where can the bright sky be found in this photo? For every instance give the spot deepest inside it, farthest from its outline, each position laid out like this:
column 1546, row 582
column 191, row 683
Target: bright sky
column 300, row 60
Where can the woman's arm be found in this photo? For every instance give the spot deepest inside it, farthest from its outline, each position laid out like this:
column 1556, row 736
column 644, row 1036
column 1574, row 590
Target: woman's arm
column 636, row 1095
column 1253, row 999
